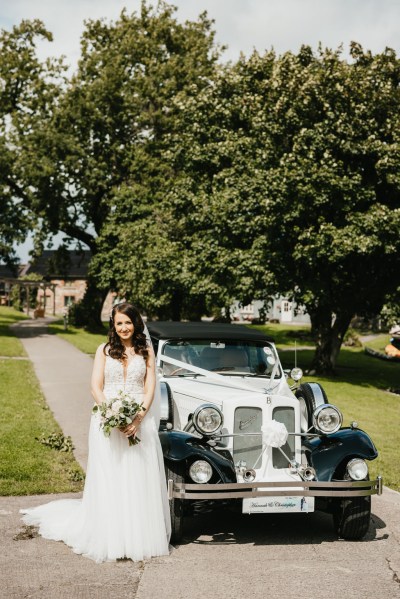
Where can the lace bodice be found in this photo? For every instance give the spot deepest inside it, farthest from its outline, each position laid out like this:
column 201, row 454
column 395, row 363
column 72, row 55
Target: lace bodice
column 114, row 376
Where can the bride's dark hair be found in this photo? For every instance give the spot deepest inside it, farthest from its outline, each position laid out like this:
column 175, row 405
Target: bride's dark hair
column 114, row 346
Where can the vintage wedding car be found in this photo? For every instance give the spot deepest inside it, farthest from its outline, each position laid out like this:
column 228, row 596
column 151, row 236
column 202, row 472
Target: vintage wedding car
column 234, row 430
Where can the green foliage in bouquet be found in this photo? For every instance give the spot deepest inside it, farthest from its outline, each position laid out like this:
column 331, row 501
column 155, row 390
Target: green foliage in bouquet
column 118, row 413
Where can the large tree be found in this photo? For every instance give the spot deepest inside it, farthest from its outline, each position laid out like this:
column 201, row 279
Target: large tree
column 27, row 94
column 334, row 199
column 107, row 127
column 200, row 251
column 288, row 182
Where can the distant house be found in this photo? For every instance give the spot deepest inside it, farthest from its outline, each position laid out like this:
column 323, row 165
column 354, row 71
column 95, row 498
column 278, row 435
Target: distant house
column 280, row 310
column 63, row 282
column 67, row 270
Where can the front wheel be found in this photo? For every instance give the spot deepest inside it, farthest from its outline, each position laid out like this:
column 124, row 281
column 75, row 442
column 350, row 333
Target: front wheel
column 174, row 471
column 351, row 517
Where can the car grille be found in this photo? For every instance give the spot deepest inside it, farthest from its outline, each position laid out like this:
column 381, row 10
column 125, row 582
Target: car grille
column 248, row 448
column 286, row 416
column 247, row 420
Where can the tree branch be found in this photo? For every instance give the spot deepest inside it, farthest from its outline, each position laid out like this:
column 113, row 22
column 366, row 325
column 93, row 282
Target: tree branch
column 80, row 234
column 69, row 229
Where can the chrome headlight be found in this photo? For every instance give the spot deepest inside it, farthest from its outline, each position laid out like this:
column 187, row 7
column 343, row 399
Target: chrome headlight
column 327, row 419
column 296, row 374
column 357, row 469
column 207, row 419
column 200, row 471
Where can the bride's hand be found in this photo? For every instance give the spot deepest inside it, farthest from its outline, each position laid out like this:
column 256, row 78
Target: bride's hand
column 131, row 429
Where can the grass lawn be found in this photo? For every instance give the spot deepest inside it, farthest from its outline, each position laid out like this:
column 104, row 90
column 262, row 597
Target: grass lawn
column 379, row 343
column 9, row 344
column 286, row 335
column 26, row 466
column 86, row 342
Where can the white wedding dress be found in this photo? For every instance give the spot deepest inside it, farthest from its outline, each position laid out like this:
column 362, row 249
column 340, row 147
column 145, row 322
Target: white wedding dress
column 124, row 511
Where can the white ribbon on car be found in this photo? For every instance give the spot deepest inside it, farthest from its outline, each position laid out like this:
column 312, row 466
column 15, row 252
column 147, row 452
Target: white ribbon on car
column 213, row 376
column 274, row 434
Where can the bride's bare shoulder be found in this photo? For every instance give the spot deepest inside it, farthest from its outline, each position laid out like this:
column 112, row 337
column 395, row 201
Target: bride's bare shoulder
column 101, row 350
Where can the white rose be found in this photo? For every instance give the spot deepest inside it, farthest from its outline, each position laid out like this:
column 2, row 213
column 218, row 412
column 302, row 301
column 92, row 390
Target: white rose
column 109, row 413
column 116, row 405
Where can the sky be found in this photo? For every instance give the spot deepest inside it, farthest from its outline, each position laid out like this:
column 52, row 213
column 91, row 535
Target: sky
column 242, row 25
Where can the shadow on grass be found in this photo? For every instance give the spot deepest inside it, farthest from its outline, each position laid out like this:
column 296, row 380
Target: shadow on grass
column 286, row 335
column 24, row 330
column 8, row 317
column 5, row 331
column 57, row 326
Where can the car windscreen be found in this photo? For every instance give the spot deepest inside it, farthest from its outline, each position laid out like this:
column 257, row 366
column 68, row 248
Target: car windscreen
column 251, row 358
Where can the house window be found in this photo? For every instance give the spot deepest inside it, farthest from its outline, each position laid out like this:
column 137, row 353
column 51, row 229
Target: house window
column 249, row 309
column 68, row 300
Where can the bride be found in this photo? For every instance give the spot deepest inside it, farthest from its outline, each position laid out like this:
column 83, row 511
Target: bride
column 124, row 511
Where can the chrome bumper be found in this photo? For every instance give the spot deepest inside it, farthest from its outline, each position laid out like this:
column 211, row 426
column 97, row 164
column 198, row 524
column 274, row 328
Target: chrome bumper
column 274, row 489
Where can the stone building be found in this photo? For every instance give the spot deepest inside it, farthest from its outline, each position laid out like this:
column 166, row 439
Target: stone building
column 67, row 271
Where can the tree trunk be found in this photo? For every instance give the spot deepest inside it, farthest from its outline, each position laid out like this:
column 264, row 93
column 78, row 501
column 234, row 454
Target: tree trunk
column 176, row 305
column 87, row 313
column 193, row 308
column 328, row 330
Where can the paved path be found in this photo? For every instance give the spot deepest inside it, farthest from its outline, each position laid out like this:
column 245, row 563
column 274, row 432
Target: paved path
column 64, row 375
column 224, row 555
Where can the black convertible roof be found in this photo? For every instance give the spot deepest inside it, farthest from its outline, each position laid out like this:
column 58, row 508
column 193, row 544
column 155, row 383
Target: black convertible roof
column 204, row 330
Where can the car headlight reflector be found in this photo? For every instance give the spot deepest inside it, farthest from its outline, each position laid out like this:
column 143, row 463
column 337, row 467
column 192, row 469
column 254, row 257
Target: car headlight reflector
column 200, row 471
column 207, row 419
column 357, row 469
column 327, row 419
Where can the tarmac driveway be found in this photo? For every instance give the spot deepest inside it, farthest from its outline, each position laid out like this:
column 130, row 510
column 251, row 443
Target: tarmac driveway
column 223, row 555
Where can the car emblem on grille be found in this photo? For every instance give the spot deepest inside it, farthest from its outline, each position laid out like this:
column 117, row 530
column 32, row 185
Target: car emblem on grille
column 245, row 423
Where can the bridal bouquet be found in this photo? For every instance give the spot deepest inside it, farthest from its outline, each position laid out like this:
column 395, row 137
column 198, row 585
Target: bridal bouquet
column 118, row 413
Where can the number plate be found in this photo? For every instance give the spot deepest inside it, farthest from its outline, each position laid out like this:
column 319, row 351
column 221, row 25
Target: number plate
column 267, row 505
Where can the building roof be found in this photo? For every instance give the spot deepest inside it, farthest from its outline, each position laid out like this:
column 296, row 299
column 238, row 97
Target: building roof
column 204, row 330
column 8, row 272
column 61, row 264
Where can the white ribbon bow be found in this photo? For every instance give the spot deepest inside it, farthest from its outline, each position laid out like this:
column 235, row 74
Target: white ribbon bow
column 274, row 434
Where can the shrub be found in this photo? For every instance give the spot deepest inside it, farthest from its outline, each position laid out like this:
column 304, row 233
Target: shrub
column 57, row 441
column 351, row 339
